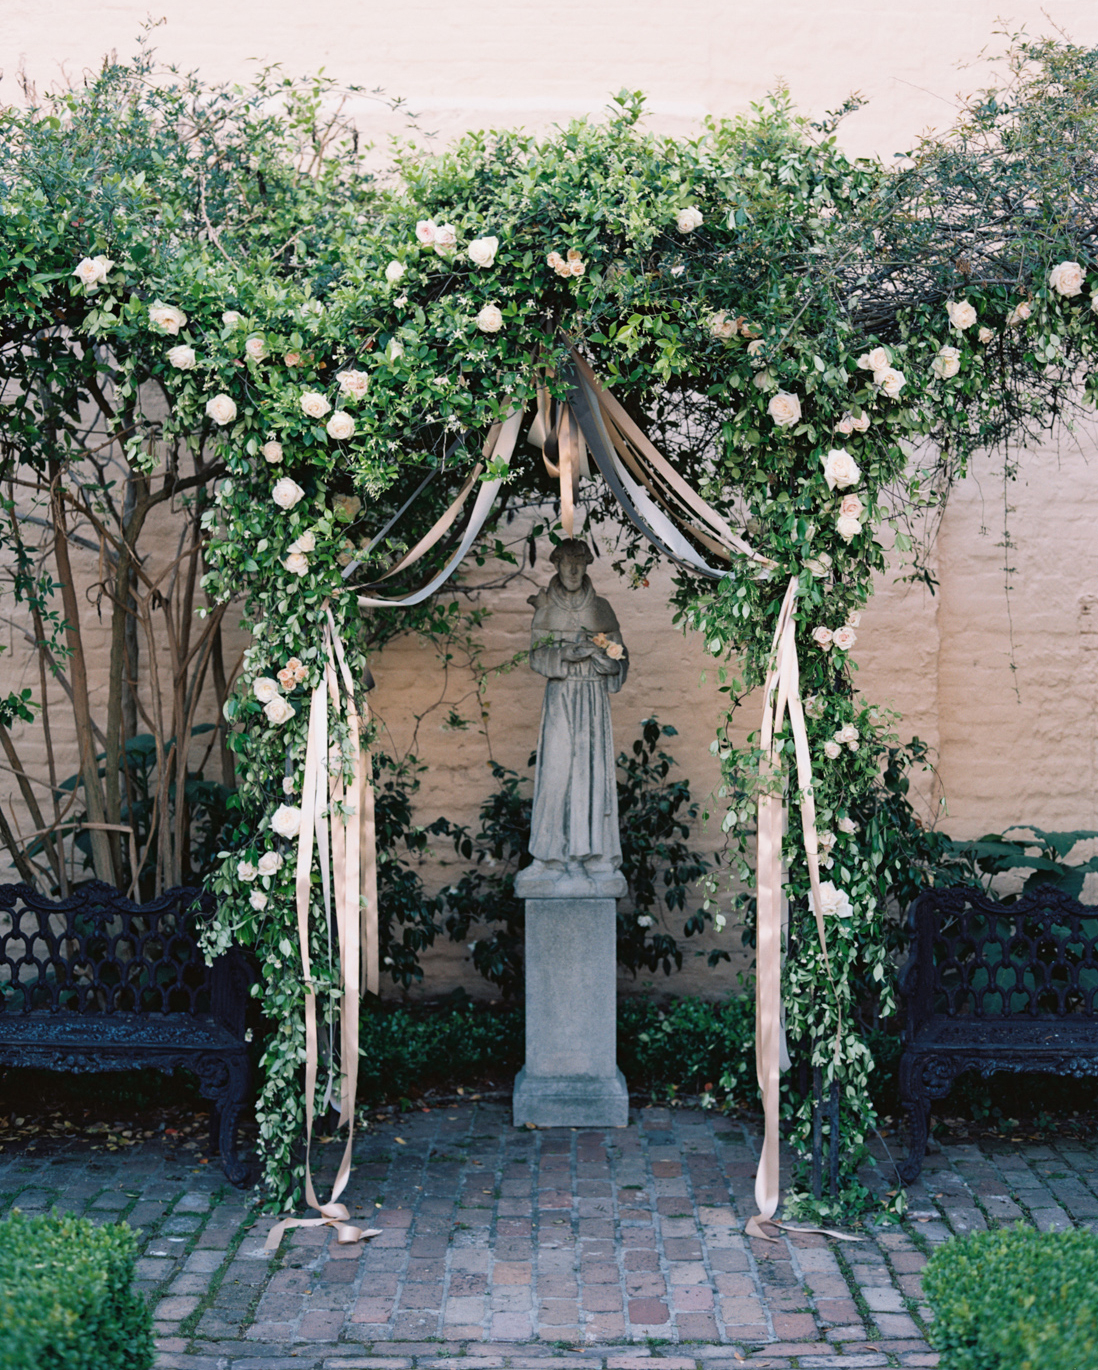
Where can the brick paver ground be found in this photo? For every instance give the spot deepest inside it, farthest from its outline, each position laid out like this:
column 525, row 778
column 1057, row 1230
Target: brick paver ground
column 618, row 1249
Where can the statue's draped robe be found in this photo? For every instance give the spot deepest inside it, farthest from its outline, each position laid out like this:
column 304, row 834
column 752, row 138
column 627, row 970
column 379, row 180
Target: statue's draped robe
column 575, row 815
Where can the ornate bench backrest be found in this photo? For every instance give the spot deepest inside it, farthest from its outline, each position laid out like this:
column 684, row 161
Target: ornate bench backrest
column 1037, row 957
column 96, row 952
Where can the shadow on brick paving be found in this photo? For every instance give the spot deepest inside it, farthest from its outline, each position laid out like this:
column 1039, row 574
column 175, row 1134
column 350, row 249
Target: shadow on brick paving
column 526, row 1248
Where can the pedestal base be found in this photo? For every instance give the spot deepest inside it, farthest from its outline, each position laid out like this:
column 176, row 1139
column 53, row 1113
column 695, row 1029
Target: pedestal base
column 570, row 1100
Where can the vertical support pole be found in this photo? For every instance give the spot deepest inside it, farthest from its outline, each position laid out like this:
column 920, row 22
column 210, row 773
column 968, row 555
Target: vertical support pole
column 833, row 1148
column 817, row 1132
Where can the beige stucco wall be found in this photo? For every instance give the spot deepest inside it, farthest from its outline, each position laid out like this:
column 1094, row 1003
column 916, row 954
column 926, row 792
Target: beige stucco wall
column 1013, row 727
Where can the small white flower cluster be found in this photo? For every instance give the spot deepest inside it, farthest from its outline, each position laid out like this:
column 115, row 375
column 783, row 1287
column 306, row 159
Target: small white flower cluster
column 268, row 865
column 886, row 378
column 572, row 265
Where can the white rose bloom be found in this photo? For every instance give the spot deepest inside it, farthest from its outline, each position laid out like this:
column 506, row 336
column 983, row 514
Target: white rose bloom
column 784, row 409
column 272, row 452
column 986, row 334
column 861, row 423
column 286, row 820
column 961, row 314
column 845, row 825
column 286, row 493
column 394, row 351
column 425, row 231
column 297, row 563
column 687, row 220
column 947, row 363
column 847, row 733
column 854, row 620
column 314, row 405
column 832, row 750
column 265, row 689
column 167, row 317
column 93, row 271
column 847, row 527
column 822, row 637
column 490, row 320
column 1019, row 314
column 221, row 408
column 256, row 348
column 182, row 357
column 245, row 870
column 353, row 384
column 835, row 902
column 341, row 425
column 445, row 239
column 1067, row 278
column 845, row 426
column 279, row 710
column 840, row 469
column 819, row 567
column 231, row 317
column 305, row 543
column 270, row 863
column 482, row 251
column 878, row 360
column 394, row 271
column 258, row 900
column 890, row 381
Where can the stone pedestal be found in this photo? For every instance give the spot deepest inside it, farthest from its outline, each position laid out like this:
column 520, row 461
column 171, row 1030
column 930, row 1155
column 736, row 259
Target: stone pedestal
column 571, row 1076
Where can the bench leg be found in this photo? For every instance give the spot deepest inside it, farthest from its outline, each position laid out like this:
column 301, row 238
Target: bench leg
column 224, row 1081
column 916, row 1101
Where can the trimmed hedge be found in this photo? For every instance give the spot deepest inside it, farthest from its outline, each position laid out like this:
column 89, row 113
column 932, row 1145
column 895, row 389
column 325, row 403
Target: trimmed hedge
column 1015, row 1299
column 65, row 1296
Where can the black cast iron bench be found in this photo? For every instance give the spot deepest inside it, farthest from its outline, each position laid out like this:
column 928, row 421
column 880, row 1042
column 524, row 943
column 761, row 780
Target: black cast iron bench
column 94, row 982
column 992, row 987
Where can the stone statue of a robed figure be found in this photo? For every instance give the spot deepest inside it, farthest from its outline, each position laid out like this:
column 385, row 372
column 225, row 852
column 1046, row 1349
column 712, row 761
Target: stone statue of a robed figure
column 571, row 1078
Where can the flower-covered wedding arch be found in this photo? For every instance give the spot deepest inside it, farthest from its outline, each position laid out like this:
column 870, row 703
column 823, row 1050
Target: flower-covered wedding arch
column 769, row 352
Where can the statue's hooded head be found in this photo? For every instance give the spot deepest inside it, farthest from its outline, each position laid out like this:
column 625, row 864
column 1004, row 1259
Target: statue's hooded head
column 571, row 558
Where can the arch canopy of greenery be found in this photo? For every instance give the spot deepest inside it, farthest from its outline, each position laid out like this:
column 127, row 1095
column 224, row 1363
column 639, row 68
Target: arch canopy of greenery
column 291, row 347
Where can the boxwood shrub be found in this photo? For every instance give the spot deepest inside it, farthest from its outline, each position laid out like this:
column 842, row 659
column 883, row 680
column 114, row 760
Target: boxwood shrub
column 1015, row 1299
column 66, row 1299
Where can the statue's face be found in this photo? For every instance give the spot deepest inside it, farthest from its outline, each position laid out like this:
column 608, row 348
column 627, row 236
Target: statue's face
column 571, row 571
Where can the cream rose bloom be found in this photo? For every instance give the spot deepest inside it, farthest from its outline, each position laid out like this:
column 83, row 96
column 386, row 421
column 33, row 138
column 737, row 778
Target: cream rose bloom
column 340, row 426
column 305, row 543
column 482, row 251
column 847, row 527
column 721, row 326
column 844, row 638
column 1067, row 278
column 353, row 384
column 222, row 409
column 167, row 317
column 286, row 820
column 258, row 900
column 297, row 563
column 880, row 359
column 986, row 334
column 271, row 452
column 265, row 689
column 286, row 493
column 961, row 314
column 814, row 707
column 394, row 351
column 822, row 636
column 784, row 409
column 445, row 239
column 832, row 750
column 92, row 272
column 840, row 469
column 256, row 349
column 819, row 567
column 314, row 405
column 755, row 351
column 845, row 426
column 847, row 733
column 279, row 711
column 394, row 271
column 687, row 220
column 292, row 358
column 1019, row 314
column 845, row 825
column 231, row 317
column 287, row 784
column 270, row 863
column 182, row 357
column 834, row 903
column 890, row 381
column 615, row 651
column 861, row 422
column 852, row 506
column 947, row 363
column 245, row 870
column 490, row 320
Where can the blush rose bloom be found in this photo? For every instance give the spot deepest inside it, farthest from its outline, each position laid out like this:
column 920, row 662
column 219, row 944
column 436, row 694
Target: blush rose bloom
column 835, row 903
column 847, row 733
column 340, row 426
column 256, row 349
column 845, row 825
column 840, row 469
column 890, row 381
column 222, row 409
column 490, row 320
column 394, row 271
column 1066, row 278
column 292, row 358
column 687, row 220
column 353, row 384
column 287, row 784
column 854, row 620
column 425, row 232
column 286, row 820
column 784, row 409
column 258, row 900
column 845, row 426
column 286, row 493
column 822, row 637
column 265, row 689
column 962, row 315
column 245, row 870
column 847, row 527
column 986, row 334
column 314, row 405
column 297, row 563
column 166, row 317
column 270, row 863
column 445, row 239
column 279, row 711
column 832, row 750
column 482, row 251
column 852, row 506
column 861, row 423
column 755, row 351
column 1019, row 314
column 844, row 638
column 947, row 363
column 879, row 359
column 271, row 452
column 182, row 357
column 615, row 651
